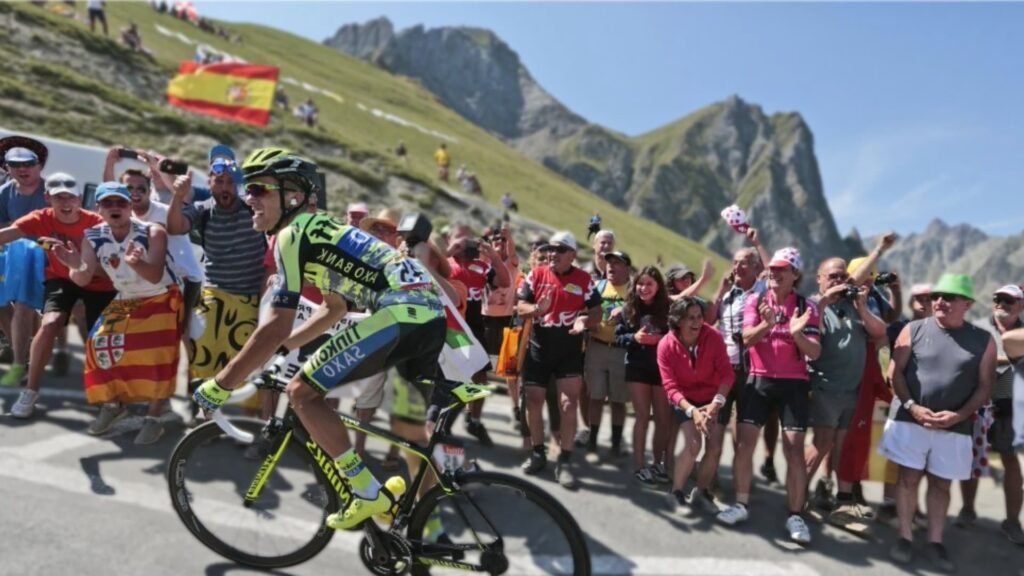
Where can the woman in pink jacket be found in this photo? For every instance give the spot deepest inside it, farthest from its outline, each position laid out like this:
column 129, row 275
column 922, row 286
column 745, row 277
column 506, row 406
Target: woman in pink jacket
column 697, row 375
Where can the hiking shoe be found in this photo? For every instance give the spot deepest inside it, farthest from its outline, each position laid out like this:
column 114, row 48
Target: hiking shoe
column 902, row 551
column 26, row 404
column 823, row 498
column 797, row 528
column 1011, row 530
column 768, row 472
column 582, row 437
column 849, row 516
column 535, row 462
column 659, row 474
column 733, row 515
column 61, row 363
column 15, row 374
column 966, row 518
column 564, row 475
column 476, row 429
column 644, row 476
column 151, row 431
column 939, row 558
column 702, row 502
column 360, row 509
column 108, row 416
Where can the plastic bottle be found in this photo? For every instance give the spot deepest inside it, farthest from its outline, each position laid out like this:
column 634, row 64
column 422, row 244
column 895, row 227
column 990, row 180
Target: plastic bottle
column 396, row 486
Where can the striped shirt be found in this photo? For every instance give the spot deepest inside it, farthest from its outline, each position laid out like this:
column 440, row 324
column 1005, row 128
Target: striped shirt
column 234, row 250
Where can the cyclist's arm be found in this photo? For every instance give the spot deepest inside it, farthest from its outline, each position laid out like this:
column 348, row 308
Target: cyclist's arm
column 333, row 309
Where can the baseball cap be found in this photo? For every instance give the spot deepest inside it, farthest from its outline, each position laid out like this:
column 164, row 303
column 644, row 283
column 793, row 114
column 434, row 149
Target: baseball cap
column 1011, row 290
column 62, row 183
column 856, row 263
column 563, row 239
column 358, row 208
column 677, row 271
column 619, row 255
column 221, row 151
column 920, row 289
column 19, row 154
column 109, row 189
column 786, row 257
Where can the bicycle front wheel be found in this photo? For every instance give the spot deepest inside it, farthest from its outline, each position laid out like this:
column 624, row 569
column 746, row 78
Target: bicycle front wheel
column 209, row 475
column 498, row 523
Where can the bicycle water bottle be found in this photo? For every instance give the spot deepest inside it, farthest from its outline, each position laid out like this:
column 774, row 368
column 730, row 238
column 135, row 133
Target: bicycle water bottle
column 396, row 486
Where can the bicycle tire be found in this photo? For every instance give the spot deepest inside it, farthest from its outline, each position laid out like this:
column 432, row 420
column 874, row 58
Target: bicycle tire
column 180, row 500
column 436, row 497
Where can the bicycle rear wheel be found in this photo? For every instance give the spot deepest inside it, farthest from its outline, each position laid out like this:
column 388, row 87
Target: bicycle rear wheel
column 500, row 523
column 209, row 475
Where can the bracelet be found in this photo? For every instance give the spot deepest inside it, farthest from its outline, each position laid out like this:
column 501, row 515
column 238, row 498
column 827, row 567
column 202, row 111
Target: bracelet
column 719, row 399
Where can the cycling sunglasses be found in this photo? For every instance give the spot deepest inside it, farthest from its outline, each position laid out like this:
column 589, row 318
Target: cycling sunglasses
column 260, row 189
column 24, row 164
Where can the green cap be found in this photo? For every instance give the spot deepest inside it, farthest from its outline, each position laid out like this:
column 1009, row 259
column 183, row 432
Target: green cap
column 956, row 284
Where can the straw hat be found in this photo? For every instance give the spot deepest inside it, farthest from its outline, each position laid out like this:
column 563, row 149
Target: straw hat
column 386, row 216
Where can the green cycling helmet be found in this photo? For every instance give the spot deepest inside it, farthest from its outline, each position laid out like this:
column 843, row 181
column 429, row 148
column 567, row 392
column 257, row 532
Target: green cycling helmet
column 286, row 167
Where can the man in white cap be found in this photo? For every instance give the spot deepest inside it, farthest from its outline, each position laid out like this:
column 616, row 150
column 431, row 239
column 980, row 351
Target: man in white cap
column 65, row 221
column 21, row 195
column 1007, row 305
column 355, row 213
column 564, row 302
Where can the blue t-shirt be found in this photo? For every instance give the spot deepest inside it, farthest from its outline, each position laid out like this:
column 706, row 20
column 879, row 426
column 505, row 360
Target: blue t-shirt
column 14, row 205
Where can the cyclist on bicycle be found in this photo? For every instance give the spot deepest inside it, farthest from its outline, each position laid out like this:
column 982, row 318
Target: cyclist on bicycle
column 406, row 329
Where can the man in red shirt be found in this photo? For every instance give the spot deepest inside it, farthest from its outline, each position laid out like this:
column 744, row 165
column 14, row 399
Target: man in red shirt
column 564, row 301
column 64, row 221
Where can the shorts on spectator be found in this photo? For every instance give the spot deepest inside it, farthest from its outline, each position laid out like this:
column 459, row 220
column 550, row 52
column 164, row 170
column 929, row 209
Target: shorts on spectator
column 833, row 408
column 643, row 375
column 97, row 14
column 605, row 372
column 1000, row 434
column 372, row 395
column 554, row 362
column 60, row 295
column 494, row 333
column 941, row 453
column 761, row 396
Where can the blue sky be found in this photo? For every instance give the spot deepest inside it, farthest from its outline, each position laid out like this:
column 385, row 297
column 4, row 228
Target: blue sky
column 915, row 108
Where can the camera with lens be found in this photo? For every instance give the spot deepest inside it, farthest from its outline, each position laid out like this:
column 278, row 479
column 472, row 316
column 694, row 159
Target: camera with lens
column 851, row 292
column 885, row 278
column 415, row 228
column 471, row 250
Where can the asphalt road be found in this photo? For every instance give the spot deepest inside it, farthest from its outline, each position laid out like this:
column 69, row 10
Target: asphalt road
column 98, row 506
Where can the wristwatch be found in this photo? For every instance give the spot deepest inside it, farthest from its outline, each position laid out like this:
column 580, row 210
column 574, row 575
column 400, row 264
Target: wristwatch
column 689, row 411
column 909, row 404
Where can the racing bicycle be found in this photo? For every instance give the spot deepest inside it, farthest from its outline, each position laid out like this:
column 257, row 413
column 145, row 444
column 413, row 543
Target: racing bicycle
column 269, row 511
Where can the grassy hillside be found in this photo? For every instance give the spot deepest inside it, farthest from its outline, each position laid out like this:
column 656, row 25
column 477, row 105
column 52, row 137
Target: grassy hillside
column 351, row 140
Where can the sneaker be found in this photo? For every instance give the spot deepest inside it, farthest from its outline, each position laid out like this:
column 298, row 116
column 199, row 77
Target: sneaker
column 733, row 515
column 151, row 431
column 1013, row 532
column 939, row 558
column 15, row 374
column 644, row 476
column 677, row 499
column 564, row 475
column 616, row 452
column 823, row 498
column 902, row 551
column 702, row 502
column 768, row 472
column 797, row 528
column 61, row 363
column 850, row 517
column 476, row 429
column 25, row 405
column 582, row 437
column 659, row 474
column 360, row 509
column 858, row 494
column 108, row 416
column 535, row 462
column 966, row 519
column 592, row 457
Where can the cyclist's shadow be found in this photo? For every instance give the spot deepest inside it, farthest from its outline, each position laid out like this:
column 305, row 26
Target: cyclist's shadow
column 225, row 568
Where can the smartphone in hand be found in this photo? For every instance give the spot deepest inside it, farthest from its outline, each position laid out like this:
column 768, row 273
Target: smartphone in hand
column 128, row 153
column 173, row 167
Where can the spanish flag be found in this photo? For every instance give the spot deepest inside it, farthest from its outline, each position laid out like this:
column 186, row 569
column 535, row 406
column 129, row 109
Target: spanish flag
column 232, row 90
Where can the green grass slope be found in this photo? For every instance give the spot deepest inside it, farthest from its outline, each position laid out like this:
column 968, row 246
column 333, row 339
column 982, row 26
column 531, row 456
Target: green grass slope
column 350, row 139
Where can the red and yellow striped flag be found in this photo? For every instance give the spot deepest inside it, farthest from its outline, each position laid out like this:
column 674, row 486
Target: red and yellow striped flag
column 232, row 90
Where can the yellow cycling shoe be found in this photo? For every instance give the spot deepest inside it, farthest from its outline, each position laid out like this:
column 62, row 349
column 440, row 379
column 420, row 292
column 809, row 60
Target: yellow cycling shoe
column 360, row 509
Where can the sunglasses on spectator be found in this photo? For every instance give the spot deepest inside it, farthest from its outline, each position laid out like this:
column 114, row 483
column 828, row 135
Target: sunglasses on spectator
column 140, row 189
column 558, row 249
column 113, row 203
column 52, row 184
column 222, row 167
column 24, row 164
column 259, row 189
column 1004, row 300
column 947, row 297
